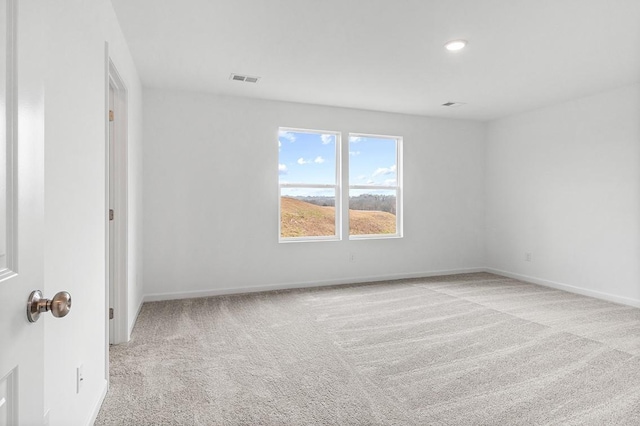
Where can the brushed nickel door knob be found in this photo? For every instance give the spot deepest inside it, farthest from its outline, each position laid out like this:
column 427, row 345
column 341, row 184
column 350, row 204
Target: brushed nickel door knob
column 59, row 306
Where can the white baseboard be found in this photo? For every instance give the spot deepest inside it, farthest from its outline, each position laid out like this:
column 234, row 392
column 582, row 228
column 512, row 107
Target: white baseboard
column 96, row 408
column 154, row 297
column 566, row 287
column 135, row 318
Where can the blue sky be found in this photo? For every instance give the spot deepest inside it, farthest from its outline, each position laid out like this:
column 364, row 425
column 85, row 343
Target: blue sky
column 310, row 158
column 307, row 158
column 372, row 161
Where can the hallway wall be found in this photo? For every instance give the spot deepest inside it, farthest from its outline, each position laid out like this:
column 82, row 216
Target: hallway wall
column 75, row 209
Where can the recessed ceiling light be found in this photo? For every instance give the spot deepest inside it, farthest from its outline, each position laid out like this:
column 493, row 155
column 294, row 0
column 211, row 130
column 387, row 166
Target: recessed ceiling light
column 454, row 45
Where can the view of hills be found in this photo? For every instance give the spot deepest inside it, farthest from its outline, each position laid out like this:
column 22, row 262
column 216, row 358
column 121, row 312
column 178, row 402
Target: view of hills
column 383, row 203
column 302, row 219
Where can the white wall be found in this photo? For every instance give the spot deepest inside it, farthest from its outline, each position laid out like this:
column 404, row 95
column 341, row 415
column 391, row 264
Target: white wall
column 563, row 183
column 75, row 209
column 211, row 204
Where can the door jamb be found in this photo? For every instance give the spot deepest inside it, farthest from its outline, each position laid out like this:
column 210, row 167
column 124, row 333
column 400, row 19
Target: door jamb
column 120, row 206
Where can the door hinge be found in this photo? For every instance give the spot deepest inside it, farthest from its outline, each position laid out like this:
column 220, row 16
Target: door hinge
column 111, row 117
column 110, row 313
column 110, row 214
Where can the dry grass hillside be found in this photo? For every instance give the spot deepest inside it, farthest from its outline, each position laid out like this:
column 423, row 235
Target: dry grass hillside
column 300, row 219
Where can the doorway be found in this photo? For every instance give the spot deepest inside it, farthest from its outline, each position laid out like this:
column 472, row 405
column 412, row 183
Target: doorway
column 116, row 193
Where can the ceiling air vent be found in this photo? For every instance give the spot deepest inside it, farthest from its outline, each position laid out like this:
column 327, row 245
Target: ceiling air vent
column 245, row 78
column 453, row 104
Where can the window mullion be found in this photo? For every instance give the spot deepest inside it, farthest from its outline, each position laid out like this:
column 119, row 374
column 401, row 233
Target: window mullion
column 344, row 183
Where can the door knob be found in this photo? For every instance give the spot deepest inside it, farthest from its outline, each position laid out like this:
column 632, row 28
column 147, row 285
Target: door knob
column 59, row 306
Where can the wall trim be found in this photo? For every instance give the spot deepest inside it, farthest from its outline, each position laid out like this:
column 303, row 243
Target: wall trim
column 154, row 297
column 98, row 405
column 566, row 287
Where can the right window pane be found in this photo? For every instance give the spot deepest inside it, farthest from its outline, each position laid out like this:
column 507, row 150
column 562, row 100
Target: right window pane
column 375, row 206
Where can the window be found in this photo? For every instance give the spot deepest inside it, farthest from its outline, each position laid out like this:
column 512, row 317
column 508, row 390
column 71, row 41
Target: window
column 375, row 197
column 309, row 181
column 310, row 186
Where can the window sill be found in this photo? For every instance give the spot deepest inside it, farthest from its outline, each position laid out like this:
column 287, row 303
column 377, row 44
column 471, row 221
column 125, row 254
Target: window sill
column 307, row 239
column 374, row 237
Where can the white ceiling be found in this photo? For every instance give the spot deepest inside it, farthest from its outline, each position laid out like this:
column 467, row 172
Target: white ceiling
column 388, row 55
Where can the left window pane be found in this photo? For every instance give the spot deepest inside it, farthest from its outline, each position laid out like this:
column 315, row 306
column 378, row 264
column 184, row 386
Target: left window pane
column 308, row 184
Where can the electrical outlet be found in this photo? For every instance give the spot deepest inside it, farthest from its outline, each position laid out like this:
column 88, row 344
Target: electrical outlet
column 79, row 378
column 352, row 257
column 527, row 257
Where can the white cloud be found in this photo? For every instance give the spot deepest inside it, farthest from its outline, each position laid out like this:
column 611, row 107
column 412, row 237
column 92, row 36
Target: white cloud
column 354, row 153
column 318, row 160
column 282, row 169
column 326, row 139
column 370, row 182
column 385, row 170
column 389, row 182
column 362, row 177
column 355, row 139
column 302, row 161
column 289, row 136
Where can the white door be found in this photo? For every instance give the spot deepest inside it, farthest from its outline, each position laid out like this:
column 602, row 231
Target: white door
column 21, row 211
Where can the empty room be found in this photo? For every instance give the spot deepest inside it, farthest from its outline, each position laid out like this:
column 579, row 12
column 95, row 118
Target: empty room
column 338, row 212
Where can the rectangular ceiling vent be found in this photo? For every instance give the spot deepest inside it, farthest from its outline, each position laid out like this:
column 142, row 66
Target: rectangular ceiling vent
column 453, row 104
column 245, row 78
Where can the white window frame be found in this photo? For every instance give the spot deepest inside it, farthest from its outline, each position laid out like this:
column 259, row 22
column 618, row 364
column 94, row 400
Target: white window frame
column 397, row 188
column 337, row 187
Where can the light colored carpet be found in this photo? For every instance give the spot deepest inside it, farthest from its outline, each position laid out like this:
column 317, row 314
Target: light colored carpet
column 473, row 349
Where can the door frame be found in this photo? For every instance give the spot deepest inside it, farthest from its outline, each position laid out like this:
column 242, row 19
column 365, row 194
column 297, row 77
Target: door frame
column 116, row 178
